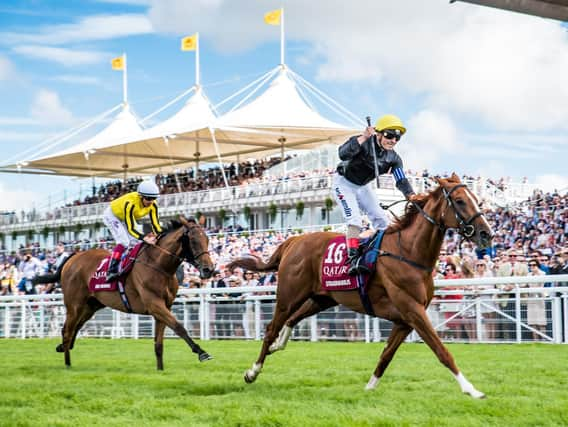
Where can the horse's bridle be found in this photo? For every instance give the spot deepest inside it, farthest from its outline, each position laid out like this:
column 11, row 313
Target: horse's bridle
column 465, row 227
column 187, row 253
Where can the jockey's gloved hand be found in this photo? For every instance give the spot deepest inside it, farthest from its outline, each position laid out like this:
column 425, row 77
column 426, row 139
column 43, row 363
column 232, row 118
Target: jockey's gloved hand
column 150, row 238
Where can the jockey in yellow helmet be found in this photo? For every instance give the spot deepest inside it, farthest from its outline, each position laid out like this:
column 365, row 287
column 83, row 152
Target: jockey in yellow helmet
column 120, row 218
column 352, row 186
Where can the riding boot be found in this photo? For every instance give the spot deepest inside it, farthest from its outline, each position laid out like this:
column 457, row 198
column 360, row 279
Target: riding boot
column 112, row 271
column 356, row 266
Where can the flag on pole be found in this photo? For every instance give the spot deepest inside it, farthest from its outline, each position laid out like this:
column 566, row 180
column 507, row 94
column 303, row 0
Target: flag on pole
column 273, row 17
column 189, row 42
column 118, row 63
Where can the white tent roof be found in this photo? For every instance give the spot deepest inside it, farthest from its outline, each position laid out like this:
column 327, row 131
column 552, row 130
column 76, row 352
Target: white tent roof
column 124, row 147
column 124, row 127
column 280, row 106
column 195, row 114
column 276, row 120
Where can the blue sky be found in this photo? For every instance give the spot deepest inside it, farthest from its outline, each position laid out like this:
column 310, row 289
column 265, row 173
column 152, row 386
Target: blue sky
column 482, row 91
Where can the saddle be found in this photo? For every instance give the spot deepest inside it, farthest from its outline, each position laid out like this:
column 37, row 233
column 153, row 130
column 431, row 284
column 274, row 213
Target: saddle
column 98, row 283
column 334, row 275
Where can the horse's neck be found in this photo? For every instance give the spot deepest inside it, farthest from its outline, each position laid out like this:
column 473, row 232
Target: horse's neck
column 422, row 239
column 164, row 257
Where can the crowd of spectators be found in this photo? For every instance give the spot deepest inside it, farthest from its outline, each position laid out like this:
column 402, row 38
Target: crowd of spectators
column 531, row 238
column 187, row 180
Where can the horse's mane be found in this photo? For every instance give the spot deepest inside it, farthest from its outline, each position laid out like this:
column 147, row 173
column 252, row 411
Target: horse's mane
column 173, row 226
column 410, row 211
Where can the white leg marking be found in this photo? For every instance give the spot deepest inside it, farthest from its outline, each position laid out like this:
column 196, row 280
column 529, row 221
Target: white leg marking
column 252, row 373
column 467, row 387
column 372, row 384
column 282, row 340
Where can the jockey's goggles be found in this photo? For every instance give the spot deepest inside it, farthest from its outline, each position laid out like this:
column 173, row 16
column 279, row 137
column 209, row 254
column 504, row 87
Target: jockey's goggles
column 150, row 199
column 392, row 134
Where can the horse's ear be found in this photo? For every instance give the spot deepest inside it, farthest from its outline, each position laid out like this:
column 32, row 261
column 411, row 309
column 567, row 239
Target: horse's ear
column 186, row 222
column 174, row 224
column 455, row 177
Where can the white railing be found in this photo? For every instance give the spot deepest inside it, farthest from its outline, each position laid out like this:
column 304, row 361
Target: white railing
column 254, row 194
column 485, row 314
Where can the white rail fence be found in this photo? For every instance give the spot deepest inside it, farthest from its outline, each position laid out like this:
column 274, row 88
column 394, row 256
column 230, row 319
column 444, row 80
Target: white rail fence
column 534, row 310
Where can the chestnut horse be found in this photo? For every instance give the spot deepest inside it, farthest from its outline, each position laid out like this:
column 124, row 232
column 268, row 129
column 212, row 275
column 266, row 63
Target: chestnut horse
column 150, row 287
column 401, row 288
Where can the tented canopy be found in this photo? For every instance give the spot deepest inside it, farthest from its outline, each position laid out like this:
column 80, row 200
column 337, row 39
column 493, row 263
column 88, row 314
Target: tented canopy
column 275, row 121
column 123, row 147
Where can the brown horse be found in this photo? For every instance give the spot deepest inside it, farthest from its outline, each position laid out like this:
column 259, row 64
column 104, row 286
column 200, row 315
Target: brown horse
column 151, row 286
column 401, row 288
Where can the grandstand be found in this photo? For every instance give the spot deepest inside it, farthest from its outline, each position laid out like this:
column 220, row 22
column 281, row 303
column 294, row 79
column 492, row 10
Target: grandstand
column 293, row 194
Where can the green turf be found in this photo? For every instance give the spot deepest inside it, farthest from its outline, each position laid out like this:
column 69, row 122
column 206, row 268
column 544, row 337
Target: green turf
column 115, row 383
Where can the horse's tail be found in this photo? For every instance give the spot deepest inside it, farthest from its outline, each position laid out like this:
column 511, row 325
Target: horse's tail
column 254, row 263
column 51, row 278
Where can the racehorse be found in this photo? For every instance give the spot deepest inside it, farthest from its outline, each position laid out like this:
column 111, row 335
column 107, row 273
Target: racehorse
column 150, row 287
column 401, row 287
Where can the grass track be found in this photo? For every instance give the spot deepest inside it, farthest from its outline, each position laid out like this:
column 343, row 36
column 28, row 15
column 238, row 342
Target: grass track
column 115, row 383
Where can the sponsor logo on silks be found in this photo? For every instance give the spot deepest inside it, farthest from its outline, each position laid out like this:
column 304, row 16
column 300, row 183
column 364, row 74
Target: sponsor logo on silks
column 341, row 198
column 398, row 174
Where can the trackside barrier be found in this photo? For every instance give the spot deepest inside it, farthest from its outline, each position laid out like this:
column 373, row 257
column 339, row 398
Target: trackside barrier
column 463, row 310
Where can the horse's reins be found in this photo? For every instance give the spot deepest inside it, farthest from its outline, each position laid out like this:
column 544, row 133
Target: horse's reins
column 185, row 249
column 465, row 227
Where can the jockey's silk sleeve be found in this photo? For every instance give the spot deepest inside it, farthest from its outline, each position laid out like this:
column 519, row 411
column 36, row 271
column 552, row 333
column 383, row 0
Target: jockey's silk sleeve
column 130, row 221
column 154, row 218
column 349, row 149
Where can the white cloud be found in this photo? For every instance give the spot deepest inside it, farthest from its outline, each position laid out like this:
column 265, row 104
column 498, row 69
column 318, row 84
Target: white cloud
column 97, row 27
column 63, row 56
column 47, row 108
column 16, row 199
column 549, row 183
column 431, row 135
column 7, row 69
column 505, row 70
column 79, row 79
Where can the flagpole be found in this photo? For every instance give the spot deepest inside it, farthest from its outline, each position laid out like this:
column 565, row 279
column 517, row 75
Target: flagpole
column 282, row 36
column 197, row 59
column 124, row 82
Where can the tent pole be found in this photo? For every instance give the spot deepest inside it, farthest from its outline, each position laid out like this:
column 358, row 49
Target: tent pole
column 282, row 140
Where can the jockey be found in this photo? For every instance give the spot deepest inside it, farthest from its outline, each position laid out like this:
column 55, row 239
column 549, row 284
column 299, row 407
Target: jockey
column 352, row 186
column 120, row 218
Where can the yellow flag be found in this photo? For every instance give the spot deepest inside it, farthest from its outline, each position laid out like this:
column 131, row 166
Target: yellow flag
column 118, row 63
column 273, row 18
column 189, row 42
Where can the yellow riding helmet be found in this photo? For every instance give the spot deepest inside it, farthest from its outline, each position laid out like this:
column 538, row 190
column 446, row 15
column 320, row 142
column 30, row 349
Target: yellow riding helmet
column 390, row 121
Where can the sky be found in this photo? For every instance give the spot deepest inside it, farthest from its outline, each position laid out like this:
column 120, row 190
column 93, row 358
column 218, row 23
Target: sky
column 482, row 91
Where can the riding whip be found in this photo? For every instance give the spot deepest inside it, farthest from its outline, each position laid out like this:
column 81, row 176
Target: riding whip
column 374, row 153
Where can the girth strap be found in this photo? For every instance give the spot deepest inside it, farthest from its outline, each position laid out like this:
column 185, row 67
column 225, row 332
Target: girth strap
column 123, row 296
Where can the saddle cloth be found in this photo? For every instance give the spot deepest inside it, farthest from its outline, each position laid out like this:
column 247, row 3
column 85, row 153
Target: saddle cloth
column 334, row 275
column 97, row 282
column 334, row 268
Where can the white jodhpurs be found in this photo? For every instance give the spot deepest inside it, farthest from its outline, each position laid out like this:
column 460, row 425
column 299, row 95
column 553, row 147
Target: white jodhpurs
column 118, row 229
column 353, row 198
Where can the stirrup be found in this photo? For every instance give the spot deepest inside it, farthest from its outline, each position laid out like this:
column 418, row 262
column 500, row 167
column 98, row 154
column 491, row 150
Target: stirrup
column 357, row 267
column 112, row 277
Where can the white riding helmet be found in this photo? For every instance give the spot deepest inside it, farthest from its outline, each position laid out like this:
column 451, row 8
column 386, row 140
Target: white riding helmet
column 148, row 189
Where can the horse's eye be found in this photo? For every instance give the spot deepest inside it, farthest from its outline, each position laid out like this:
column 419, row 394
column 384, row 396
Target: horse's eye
column 460, row 202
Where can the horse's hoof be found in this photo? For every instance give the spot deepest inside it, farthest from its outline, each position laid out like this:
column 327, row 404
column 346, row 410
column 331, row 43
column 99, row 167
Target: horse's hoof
column 476, row 394
column 203, row 357
column 249, row 379
column 59, row 348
